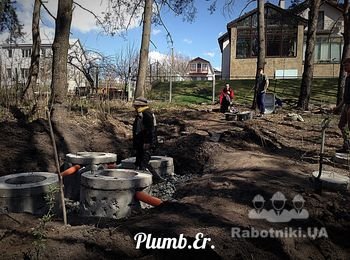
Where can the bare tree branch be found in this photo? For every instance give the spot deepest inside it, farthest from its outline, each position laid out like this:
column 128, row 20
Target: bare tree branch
column 91, row 12
column 132, row 14
column 245, row 7
column 161, row 21
column 47, row 10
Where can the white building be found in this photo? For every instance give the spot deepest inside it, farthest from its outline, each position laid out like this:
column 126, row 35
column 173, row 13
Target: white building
column 15, row 62
column 200, row 69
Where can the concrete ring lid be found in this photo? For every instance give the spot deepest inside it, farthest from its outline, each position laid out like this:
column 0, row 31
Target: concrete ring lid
column 333, row 180
column 343, row 158
column 86, row 158
column 245, row 113
column 116, row 179
column 156, row 161
column 26, row 183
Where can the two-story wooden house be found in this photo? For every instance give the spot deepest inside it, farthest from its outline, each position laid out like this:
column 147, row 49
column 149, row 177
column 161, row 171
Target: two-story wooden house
column 200, row 69
column 285, row 34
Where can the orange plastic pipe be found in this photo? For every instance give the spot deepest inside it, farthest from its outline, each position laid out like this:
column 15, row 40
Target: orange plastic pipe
column 70, row 170
column 146, row 198
column 111, row 166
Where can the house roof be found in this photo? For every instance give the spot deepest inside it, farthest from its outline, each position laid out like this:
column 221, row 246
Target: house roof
column 72, row 42
column 203, row 60
column 198, row 58
column 268, row 5
column 231, row 24
column 222, row 38
column 23, row 45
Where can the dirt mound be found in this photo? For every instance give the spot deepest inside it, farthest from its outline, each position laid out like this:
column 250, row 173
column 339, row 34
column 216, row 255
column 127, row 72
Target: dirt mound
column 191, row 153
column 28, row 147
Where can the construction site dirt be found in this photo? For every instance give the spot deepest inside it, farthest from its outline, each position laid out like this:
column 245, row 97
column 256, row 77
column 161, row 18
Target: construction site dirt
column 231, row 165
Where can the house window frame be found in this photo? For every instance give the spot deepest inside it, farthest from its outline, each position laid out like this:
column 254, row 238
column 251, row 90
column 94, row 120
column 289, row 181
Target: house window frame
column 328, row 42
column 24, row 73
column 205, row 67
column 9, row 73
column 193, row 67
column 26, row 52
column 9, row 53
column 320, row 21
column 43, row 52
column 249, row 33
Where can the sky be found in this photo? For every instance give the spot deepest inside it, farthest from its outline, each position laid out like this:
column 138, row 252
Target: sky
column 196, row 39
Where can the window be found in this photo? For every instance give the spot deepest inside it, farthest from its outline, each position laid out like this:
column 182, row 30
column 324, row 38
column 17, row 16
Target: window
column 10, row 53
column 320, row 21
column 280, row 36
column 199, row 67
column 280, row 43
column 328, row 49
column 9, row 73
column 243, row 49
column 24, row 73
column 205, row 67
column 193, row 67
column 26, row 53
column 43, row 52
column 289, row 44
column 273, row 42
column 273, row 17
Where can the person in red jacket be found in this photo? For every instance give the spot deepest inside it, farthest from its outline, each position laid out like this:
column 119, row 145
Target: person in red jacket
column 226, row 98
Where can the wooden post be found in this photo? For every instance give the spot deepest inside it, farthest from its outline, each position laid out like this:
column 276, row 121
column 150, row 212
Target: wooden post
column 57, row 167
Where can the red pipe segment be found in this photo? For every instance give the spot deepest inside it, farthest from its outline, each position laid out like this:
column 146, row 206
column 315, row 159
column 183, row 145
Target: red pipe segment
column 146, row 198
column 111, row 166
column 70, row 170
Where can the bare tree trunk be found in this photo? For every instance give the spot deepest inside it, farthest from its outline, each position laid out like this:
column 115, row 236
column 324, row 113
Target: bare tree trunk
column 144, row 50
column 346, row 52
column 261, row 51
column 59, row 62
column 34, row 63
column 306, row 82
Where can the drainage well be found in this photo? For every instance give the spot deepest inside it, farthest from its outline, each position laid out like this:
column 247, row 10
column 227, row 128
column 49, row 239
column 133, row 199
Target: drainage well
column 110, row 193
column 25, row 192
column 333, row 181
column 163, row 165
column 88, row 158
column 91, row 161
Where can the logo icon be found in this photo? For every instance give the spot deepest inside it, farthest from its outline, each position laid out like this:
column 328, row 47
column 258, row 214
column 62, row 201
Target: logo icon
column 278, row 214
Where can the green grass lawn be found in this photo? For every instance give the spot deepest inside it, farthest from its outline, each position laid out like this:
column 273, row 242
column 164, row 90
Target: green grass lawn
column 324, row 91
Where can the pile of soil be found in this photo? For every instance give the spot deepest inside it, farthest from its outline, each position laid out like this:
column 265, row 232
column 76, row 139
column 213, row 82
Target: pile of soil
column 257, row 157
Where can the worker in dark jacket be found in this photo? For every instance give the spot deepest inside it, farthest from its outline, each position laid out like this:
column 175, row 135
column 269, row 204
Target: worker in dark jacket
column 144, row 136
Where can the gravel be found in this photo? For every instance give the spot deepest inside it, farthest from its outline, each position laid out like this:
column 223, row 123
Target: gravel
column 166, row 190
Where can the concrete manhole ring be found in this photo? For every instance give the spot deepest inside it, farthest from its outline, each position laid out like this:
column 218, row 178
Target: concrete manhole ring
column 156, row 161
column 87, row 158
column 25, row 192
column 245, row 115
column 116, row 179
column 342, row 158
column 163, row 165
column 26, row 183
column 111, row 192
column 333, row 181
